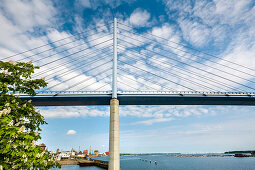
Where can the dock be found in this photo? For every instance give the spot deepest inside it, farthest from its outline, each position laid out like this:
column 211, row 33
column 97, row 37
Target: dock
column 93, row 162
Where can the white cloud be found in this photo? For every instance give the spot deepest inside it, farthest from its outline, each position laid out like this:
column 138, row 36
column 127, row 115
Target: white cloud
column 76, row 111
column 234, row 11
column 71, row 132
column 139, row 17
column 166, row 31
column 148, row 114
column 152, row 121
column 28, row 14
column 85, row 3
column 94, row 4
column 18, row 18
column 195, row 33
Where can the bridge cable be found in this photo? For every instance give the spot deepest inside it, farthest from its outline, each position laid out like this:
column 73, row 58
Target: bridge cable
column 71, row 70
column 76, row 76
column 73, row 53
column 101, row 87
column 179, row 77
column 77, row 60
column 69, row 49
column 185, row 52
column 175, row 75
column 125, row 71
column 147, row 79
column 127, row 85
column 83, row 81
column 191, row 72
column 97, row 81
column 226, row 85
column 105, row 84
column 158, row 76
column 53, row 42
column 82, row 43
column 135, row 80
column 192, row 48
column 179, row 71
column 200, row 63
column 80, row 66
column 191, row 66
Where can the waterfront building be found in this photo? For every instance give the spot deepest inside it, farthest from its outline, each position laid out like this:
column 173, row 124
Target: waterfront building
column 73, row 152
column 96, row 152
column 79, row 156
column 85, row 152
column 58, row 152
column 65, row 155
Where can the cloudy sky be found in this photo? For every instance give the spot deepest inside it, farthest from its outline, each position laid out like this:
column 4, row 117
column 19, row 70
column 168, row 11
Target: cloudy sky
column 71, row 40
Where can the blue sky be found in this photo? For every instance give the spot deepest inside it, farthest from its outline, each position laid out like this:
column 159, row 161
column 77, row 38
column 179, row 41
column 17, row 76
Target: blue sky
column 222, row 28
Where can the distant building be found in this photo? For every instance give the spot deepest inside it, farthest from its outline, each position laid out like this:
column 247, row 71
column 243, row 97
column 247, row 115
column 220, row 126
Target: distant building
column 80, row 156
column 43, row 146
column 96, row 152
column 107, row 153
column 85, row 152
column 57, row 152
column 65, row 154
column 73, row 152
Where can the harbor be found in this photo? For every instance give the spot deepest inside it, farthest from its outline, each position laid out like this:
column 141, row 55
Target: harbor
column 85, row 163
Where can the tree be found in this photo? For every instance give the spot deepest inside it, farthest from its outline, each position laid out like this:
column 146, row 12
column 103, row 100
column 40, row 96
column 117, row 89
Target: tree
column 19, row 120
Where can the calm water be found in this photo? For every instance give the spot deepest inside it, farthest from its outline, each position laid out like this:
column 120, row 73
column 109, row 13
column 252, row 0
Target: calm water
column 165, row 162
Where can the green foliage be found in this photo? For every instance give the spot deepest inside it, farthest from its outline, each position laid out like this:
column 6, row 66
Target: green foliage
column 19, row 120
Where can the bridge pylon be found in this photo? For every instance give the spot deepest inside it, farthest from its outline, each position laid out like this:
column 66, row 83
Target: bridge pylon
column 114, row 151
column 114, row 146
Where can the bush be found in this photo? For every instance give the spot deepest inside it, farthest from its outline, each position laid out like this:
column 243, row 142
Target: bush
column 19, row 120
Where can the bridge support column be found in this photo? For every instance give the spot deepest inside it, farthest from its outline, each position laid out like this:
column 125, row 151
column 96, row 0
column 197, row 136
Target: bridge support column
column 114, row 147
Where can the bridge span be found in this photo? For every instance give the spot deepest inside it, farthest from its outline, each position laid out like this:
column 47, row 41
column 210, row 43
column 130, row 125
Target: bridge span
column 59, row 98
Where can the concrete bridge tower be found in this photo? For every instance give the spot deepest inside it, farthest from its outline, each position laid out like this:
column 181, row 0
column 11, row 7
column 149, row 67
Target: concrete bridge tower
column 114, row 151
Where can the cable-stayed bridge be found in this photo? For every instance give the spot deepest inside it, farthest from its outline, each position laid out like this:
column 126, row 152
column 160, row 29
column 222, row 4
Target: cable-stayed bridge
column 80, row 65
column 150, row 70
column 117, row 64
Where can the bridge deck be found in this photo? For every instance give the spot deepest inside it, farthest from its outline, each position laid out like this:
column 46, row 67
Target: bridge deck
column 142, row 99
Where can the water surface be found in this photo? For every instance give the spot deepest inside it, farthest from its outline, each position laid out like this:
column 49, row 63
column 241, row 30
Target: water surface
column 166, row 162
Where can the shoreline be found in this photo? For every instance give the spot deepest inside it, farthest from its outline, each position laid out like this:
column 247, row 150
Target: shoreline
column 84, row 162
column 68, row 162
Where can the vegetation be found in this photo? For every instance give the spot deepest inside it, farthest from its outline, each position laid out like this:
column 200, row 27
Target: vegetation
column 236, row 152
column 19, row 120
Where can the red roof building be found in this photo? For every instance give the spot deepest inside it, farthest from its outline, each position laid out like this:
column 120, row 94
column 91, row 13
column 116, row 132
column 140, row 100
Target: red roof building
column 85, row 152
